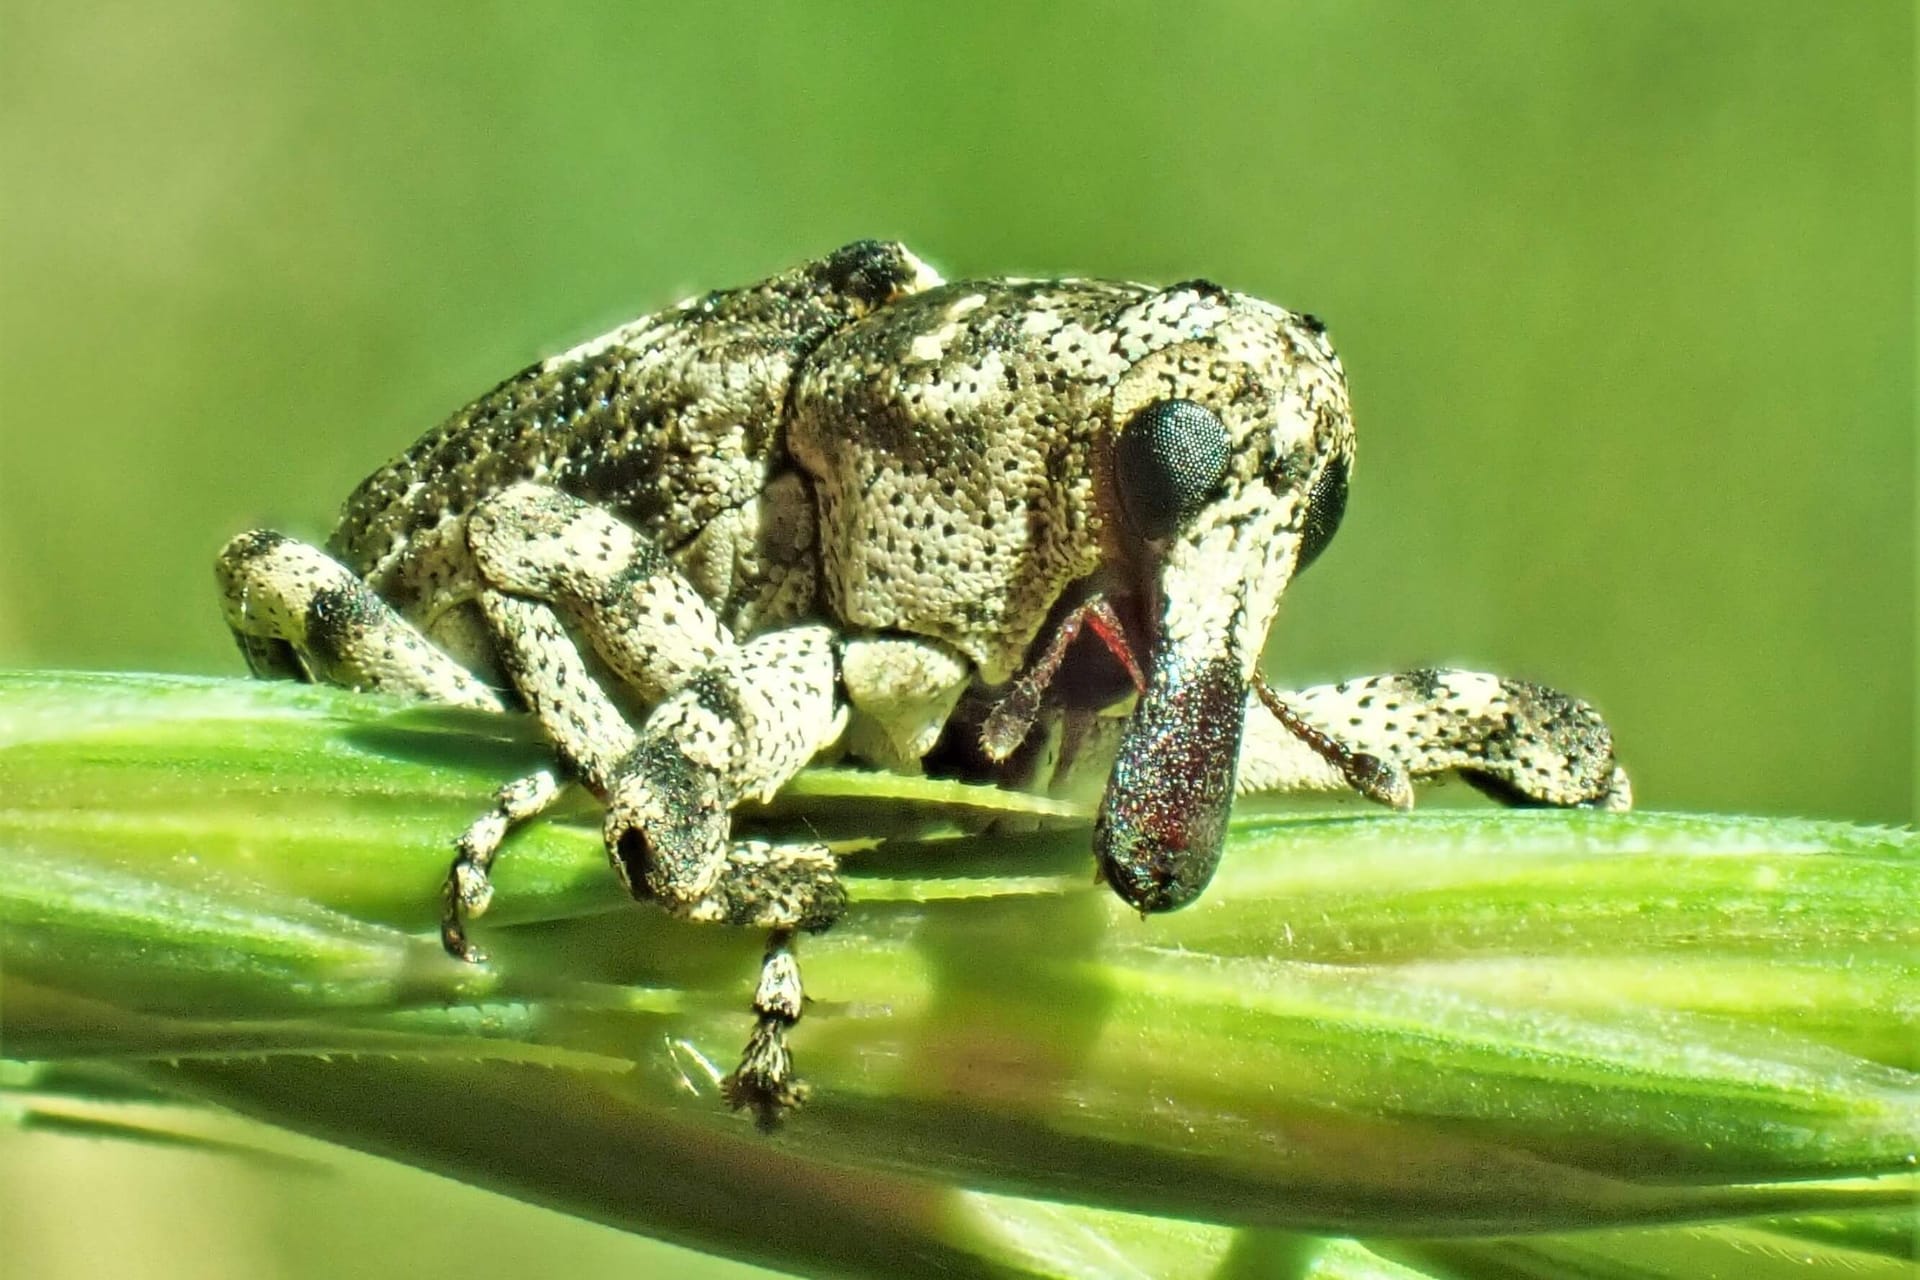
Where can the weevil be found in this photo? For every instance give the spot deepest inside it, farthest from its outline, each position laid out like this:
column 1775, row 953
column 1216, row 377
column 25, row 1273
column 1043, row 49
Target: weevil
column 1009, row 530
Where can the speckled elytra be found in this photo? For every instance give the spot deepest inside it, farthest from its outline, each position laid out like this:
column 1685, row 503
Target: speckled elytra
column 1006, row 530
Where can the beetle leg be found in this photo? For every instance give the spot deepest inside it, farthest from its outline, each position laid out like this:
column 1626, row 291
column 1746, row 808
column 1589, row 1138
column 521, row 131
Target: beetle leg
column 786, row 888
column 467, row 890
column 553, row 679
column 631, row 602
column 1523, row 743
column 297, row 613
column 733, row 722
column 1012, row 717
column 588, row 731
column 764, row 1080
column 738, row 728
column 544, row 553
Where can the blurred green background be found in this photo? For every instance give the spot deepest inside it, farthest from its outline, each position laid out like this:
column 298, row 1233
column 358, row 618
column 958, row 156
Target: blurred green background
column 1625, row 291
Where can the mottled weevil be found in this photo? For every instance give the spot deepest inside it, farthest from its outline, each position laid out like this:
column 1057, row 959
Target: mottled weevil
column 1006, row 529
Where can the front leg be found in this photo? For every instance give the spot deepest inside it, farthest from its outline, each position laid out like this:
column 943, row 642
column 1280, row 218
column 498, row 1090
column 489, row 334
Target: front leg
column 1523, row 743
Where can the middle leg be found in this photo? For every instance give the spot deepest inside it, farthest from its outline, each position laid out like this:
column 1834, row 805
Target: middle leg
column 733, row 722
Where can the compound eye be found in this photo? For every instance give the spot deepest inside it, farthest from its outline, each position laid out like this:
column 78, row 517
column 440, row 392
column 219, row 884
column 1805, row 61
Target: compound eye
column 1168, row 462
column 1325, row 505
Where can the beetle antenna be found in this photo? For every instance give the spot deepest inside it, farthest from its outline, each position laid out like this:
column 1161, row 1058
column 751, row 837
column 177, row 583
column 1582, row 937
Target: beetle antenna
column 1378, row 780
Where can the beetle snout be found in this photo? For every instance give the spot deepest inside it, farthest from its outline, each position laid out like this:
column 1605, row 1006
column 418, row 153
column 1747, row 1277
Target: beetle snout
column 1163, row 821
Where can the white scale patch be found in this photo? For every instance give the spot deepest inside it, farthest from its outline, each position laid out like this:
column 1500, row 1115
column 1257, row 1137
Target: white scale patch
column 1094, row 352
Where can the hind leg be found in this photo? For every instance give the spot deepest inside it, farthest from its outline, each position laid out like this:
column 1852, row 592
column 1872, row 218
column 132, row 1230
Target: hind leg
column 299, row 614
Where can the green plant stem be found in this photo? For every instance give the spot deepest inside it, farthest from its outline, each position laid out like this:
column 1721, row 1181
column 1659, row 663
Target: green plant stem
column 1455, row 1024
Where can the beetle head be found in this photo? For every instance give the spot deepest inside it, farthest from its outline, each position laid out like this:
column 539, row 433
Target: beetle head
column 1227, row 460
